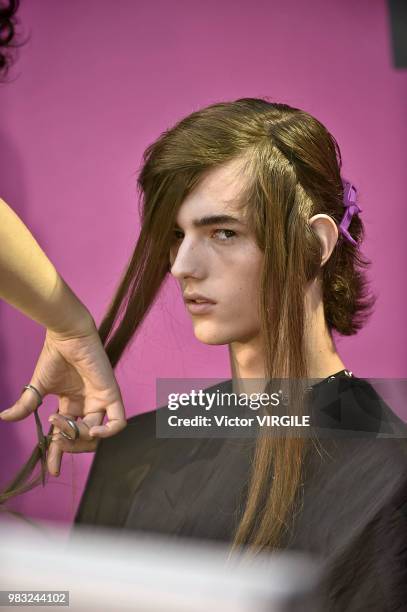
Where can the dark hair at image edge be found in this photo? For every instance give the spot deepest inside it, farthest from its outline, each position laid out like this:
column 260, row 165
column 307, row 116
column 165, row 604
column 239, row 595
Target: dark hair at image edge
column 292, row 167
column 8, row 11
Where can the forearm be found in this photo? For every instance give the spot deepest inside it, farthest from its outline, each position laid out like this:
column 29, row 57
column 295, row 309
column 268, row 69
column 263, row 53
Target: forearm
column 30, row 282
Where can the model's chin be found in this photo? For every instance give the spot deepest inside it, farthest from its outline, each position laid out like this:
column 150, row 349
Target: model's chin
column 209, row 334
column 212, row 341
column 218, row 332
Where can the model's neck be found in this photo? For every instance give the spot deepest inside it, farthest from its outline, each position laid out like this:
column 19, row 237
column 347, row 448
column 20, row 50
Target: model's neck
column 247, row 359
column 322, row 357
column 247, row 362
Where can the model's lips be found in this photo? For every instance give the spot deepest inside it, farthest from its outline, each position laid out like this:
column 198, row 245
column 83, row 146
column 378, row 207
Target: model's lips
column 197, row 297
column 197, row 303
column 199, row 307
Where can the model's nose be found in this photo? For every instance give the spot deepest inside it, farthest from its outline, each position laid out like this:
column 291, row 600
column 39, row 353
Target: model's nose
column 187, row 260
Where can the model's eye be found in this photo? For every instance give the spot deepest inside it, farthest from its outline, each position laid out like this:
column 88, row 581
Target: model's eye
column 177, row 235
column 225, row 235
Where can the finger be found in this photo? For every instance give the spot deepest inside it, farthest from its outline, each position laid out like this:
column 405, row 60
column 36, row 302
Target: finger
column 60, row 445
column 71, row 406
column 74, row 446
column 54, row 456
column 115, row 423
column 24, row 406
column 116, row 416
column 62, row 424
column 85, row 443
column 107, row 430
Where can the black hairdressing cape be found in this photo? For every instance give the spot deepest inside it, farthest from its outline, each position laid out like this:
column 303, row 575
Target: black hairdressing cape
column 353, row 510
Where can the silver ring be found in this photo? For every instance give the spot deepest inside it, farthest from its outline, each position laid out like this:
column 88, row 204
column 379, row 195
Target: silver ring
column 37, row 393
column 75, row 428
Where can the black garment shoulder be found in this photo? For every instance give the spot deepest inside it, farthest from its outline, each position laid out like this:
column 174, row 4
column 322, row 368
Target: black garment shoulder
column 352, row 505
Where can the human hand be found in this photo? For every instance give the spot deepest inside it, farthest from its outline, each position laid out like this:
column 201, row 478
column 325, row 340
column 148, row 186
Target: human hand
column 76, row 368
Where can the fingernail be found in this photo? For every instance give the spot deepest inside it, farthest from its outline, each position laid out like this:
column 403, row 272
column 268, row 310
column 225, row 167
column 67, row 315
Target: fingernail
column 5, row 412
column 51, row 419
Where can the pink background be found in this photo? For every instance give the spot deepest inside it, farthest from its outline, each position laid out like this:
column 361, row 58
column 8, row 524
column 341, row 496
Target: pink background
column 98, row 81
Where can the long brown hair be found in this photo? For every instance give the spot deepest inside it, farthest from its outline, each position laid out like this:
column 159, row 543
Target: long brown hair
column 293, row 169
column 292, row 166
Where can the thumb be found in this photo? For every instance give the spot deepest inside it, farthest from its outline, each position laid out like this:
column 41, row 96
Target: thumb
column 25, row 405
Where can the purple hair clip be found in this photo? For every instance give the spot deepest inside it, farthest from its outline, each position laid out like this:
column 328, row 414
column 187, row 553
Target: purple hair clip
column 349, row 201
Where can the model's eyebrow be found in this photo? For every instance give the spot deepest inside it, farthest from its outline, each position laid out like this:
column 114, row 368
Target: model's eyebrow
column 214, row 220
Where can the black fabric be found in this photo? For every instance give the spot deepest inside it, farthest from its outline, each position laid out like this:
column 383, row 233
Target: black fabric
column 353, row 502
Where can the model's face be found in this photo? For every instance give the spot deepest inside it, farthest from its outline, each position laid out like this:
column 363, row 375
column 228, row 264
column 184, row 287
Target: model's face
column 218, row 259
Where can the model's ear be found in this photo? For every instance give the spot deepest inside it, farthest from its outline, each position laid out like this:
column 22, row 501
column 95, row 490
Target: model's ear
column 326, row 229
